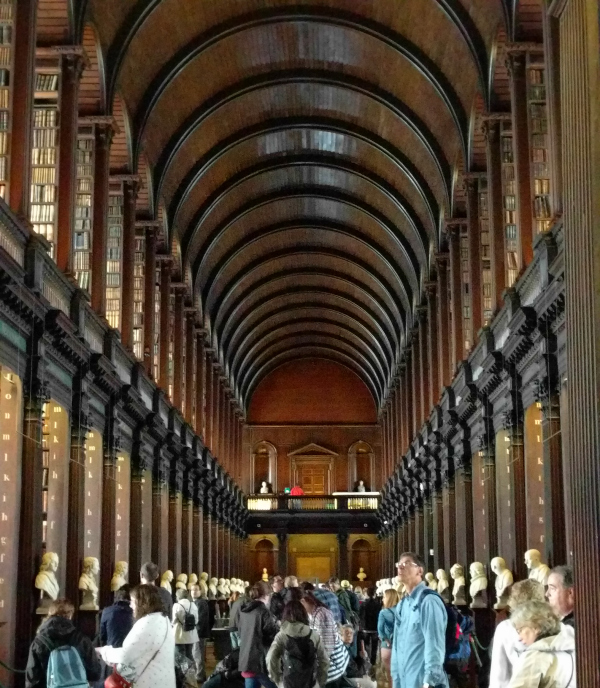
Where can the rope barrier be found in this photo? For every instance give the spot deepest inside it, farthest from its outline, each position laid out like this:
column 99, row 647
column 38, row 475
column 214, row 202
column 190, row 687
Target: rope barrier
column 14, row 671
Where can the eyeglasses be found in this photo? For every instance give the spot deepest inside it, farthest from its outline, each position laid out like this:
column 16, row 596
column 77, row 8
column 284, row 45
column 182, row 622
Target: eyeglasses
column 404, row 564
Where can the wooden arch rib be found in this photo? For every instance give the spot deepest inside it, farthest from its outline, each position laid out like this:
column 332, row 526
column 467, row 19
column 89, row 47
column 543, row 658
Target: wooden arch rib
column 318, row 251
column 294, row 192
column 342, row 18
column 344, row 230
column 322, row 124
column 297, row 76
column 240, row 309
column 298, row 353
column 318, row 160
column 336, row 342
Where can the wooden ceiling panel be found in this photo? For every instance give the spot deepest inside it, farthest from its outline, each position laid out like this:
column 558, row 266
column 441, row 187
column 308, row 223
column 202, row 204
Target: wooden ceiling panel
column 53, row 23
column 529, row 20
column 478, row 144
column 91, row 97
column 120, row 159
column 108, row 16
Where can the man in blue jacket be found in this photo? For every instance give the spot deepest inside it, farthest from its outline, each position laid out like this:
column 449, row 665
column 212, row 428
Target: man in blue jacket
column 419, row 631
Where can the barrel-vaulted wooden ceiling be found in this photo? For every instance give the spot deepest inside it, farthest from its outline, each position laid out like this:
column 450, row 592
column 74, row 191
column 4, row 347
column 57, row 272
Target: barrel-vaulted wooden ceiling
column 305, row 153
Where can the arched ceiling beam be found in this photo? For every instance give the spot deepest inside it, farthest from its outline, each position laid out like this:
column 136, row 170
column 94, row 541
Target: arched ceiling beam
column 323, row 124
column 334, row 341
column 316, row 14
column 300, row 76
column 318, row 161
column 260, row 349
column 306, row 351
column 311, row 192
column 314, row 251
column 243, row 302
column 304, row 223
column 384, row 353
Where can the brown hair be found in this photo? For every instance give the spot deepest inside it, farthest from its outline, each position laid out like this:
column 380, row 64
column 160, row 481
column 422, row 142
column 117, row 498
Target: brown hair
column 294, row 611
column 260, row 589
column 147, row 600
column 312, row 600
column 61, row 607
column 149, row 571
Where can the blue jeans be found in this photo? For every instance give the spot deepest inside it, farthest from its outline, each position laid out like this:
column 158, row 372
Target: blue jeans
column 258, row 681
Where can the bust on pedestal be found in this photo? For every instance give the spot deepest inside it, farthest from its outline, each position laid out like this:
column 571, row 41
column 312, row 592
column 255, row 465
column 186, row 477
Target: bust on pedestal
column 212, row 589
column 265, row 575
column 46, row 582
column 537, row 570
column 119, row 578
column 361, row 486
column 443, row 585
column 264, row 488
column 192, row 580
column 431, row 581
column 478, row 587
column 88, row 584
column 361, row 575
column 181, row 582
column 458, row 591
column 504, row 580
column 165, row 581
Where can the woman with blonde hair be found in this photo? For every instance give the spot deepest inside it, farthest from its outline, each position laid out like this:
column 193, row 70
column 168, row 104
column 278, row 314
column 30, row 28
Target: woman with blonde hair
column 385, row 629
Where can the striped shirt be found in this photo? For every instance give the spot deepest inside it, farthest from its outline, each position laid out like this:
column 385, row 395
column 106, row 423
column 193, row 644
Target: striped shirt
column 330, row 600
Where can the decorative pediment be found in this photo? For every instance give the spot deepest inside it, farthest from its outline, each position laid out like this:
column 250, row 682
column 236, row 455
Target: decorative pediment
column 313, row 449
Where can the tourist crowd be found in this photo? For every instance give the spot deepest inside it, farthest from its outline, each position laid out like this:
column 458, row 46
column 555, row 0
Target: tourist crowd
column 286, row 634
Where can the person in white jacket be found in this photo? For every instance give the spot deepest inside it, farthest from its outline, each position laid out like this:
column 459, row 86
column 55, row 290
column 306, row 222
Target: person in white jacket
column 507, row 646
column 148, row 652
column 184, row 640
column 549, row 658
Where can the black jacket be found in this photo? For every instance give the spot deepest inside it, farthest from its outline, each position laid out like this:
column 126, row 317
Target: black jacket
column 369, row 613
column 167, row 602
column 203, row 625
column 257, row 628
column 115, row 623
column 278, row 603
column 55, row 632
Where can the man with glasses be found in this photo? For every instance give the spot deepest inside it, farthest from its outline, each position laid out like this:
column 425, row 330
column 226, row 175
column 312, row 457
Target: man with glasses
column 419, row 642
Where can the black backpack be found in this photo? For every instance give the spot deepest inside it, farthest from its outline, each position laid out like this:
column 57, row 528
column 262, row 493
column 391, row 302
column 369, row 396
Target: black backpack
column 299, row 661
column 189, row 622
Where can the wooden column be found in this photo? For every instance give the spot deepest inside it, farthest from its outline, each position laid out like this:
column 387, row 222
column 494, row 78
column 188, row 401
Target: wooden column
column 139, row 465
column 76, row 502
column 175, row 517
column 516, row 64
column 343, row 569
column 433, row 368
column 449, row 515
column 104, row 136
column 416, row 392
column 208, row 437
column 149, row 303
column 554, row 484
column 458, row 342
column 216, row 436
column 131, row 187
column 109, row 506
column 160, row 513
column 475, row 264
column 437, row 511
column 464, row 517
column 165, row 323
column 72, row 65
column 214, row 559
column 207, row 549
column 187, row 514
column 191, row 372
column 400, row 411
column 24, row 32
column 444, row 332
column 484, row 505
column 199, row 419
column 198, row 530
column 425, row 379
column 491, row 129
column 178, row 348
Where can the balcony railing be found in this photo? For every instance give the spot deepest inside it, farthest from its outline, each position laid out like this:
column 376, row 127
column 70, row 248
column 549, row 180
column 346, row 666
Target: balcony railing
column 338, row 501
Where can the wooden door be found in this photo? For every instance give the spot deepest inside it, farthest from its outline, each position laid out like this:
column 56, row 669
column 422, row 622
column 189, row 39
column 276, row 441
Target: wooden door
column 313, row 479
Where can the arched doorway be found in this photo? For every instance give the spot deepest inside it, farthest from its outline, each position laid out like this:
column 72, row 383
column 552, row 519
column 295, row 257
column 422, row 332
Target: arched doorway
column 264, row 558
column 361, row 465
column 264, row 466
column 362, row 556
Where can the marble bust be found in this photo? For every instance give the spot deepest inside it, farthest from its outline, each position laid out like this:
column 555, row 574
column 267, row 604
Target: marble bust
column 458, row 591
column 212, row 589
column 181, row 582
column 265, row 575
column 165, row 581
column 443, row 587
column 361, row 575
column 46, row 581
column 119, row 578
column 192, row 580
column 431, row 581
column 221, row 591
column 504, row 580
column 478, row 587
column 361, row 486
column 264, row 488
column 88, row 584
column 537, row 570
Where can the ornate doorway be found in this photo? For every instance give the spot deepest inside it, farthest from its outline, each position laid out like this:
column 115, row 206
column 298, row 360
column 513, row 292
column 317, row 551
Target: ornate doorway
column 312, row 468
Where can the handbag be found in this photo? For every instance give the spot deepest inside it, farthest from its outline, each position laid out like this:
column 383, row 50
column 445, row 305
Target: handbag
column 115, row 680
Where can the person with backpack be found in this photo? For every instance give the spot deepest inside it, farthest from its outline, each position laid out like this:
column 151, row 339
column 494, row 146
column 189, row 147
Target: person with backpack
column 257, row 628
column 369, row 617
column 146, row 658
column 385, row 629
column 203, row 628
column 60, row 655
column 297, row 657
column 185, row 619
column 419, row 642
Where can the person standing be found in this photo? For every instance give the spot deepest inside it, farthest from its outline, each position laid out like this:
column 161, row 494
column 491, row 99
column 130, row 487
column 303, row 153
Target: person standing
column 561, row 594
column 148, row 576
column 117, row 620
column 385, row 629
column 369, row 616
column 203, row 629
column 257, row 628
column 185, row 620
column 278, row 597
column 328, row 598
column 58, row 631
column 419, row 642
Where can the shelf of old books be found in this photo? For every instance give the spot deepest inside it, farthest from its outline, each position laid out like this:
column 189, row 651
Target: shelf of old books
column 539, row 143
column 84, row 195
column 122, row 504
column 55, row 448
column 45, row 151
column 509, row 200
column 114, row 254
column 138, row 294
column 7, row 9
column 94, row 464
column 10, row 452
column 484, row 229
column 466, row 292
column 156, row 343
